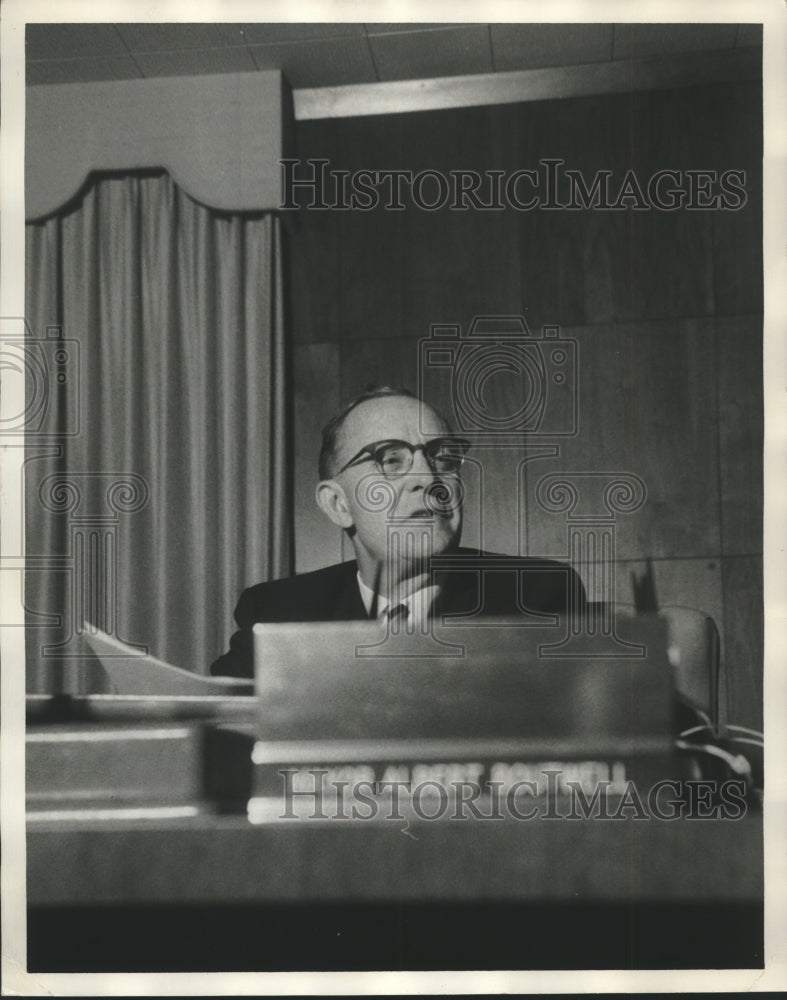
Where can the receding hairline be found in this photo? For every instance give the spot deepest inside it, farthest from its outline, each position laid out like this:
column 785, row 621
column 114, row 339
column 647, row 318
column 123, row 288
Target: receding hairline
column 422, row 405
column 334, row 430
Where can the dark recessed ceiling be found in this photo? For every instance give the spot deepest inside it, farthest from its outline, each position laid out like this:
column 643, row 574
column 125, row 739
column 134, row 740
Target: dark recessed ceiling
column 328, row 55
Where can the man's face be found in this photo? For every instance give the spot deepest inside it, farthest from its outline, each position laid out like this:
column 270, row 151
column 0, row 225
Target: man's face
column 398, row 512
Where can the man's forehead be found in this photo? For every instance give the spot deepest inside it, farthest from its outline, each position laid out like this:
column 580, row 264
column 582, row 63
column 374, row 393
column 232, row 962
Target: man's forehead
column 390, row 417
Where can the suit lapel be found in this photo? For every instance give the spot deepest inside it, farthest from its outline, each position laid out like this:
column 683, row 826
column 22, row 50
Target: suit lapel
column 458, row 594
column 347, row 602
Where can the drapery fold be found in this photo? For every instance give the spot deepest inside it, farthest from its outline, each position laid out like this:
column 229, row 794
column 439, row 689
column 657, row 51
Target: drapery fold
column 177, row 477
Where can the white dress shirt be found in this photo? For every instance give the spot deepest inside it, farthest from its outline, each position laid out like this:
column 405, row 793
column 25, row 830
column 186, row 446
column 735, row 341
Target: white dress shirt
column 418, row 604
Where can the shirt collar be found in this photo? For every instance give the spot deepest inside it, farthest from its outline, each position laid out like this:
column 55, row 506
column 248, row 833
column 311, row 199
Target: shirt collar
column 419, row 602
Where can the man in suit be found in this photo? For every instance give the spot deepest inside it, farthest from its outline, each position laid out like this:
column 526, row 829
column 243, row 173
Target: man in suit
column 390, row 478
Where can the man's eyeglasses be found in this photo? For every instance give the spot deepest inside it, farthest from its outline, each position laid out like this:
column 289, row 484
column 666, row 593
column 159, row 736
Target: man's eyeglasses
column 395, row 458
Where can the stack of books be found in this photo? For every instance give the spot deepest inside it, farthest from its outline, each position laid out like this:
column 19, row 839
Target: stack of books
column 109, row 756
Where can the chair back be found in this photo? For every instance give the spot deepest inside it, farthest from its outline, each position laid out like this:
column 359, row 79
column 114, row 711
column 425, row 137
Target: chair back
column 693, row 649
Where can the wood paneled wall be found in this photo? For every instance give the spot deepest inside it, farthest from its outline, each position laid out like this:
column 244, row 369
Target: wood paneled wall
column 665, row 308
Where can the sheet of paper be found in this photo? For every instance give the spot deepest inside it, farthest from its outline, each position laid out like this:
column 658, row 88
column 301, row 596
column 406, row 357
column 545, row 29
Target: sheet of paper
column 133, row 673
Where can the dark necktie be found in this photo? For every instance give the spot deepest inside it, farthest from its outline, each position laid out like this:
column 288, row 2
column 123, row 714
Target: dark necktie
column 395, row 612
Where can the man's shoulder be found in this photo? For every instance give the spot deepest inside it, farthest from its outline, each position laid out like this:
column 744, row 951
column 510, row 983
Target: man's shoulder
column 314, row 580
column 502, row 583
column 293, row 596
column 504, row 560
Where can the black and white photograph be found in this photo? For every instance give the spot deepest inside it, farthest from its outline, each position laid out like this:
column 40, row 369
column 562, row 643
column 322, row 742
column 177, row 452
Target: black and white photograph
column 392, row 515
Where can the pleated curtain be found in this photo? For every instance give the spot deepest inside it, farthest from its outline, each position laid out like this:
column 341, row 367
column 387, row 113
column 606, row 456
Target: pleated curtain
column 156, row 477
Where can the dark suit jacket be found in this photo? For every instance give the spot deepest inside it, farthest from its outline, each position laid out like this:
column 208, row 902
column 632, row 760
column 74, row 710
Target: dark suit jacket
column 332, row 594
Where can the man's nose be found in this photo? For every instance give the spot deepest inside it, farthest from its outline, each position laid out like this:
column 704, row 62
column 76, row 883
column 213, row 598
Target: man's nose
column 421, row 468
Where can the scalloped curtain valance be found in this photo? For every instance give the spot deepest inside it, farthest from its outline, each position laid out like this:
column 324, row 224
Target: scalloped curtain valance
column 220, row 137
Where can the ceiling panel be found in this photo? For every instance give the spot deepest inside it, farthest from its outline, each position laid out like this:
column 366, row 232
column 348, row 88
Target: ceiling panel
column 334, row 54
column 440, row 52
column 532, row 46
column 81, row 70
column 645, row 41
column 329, row 63
column 58, row 41
column 268, row 34
column 162, row 37
column 193, row 62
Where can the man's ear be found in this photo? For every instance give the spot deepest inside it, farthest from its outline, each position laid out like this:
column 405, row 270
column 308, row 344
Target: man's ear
column 332, row 501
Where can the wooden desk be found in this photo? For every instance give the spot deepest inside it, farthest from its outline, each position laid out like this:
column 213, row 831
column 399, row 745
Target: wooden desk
column 213, row 893
column 334, row 861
